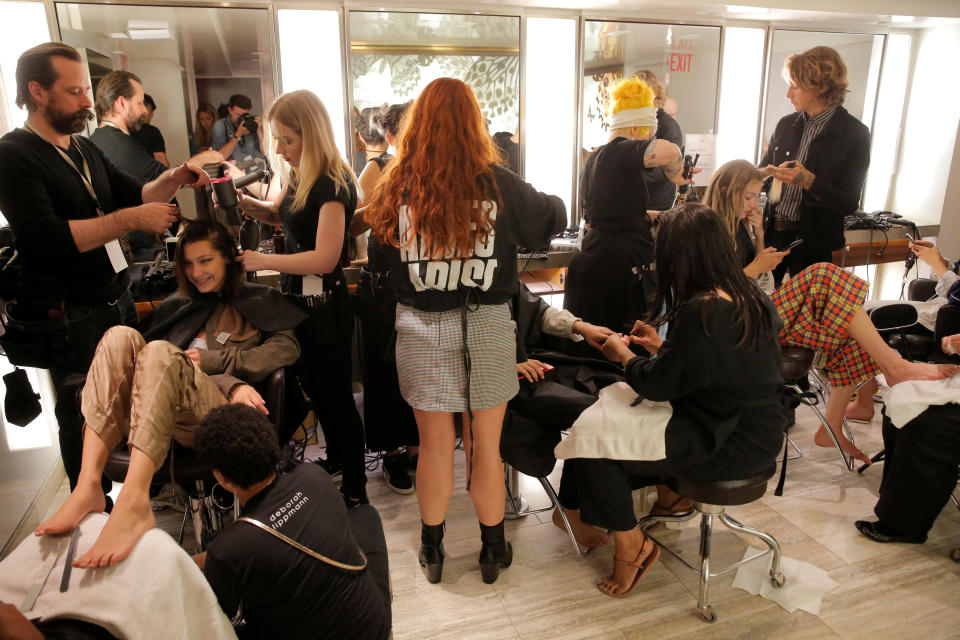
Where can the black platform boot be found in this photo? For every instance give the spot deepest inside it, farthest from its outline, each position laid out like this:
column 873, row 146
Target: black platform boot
column 495, row 554
column 431, row 550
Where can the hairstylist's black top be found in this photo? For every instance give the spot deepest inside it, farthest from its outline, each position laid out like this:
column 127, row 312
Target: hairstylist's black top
column 525, row 216
column 284, row 592
column 39, row 195
column 612, row 187
column 301, row 226
column 726, row 419
column 661, row 190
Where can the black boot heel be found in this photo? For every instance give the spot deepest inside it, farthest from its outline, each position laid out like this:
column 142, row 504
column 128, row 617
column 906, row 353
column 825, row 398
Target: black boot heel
column 431, row 551
column 494, row 557
column 495, row 553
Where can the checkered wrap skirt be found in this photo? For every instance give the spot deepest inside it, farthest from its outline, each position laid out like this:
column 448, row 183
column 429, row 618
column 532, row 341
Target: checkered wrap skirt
column 817, row 306
column 430, row 363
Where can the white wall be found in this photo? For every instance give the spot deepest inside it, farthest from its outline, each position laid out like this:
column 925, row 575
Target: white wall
column 928, row 155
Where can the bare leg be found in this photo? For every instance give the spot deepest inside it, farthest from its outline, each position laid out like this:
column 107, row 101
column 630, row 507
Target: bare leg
column 87, row 496
column 487, row 489
column 130, row 519
column 627, row 545
column 861, row 409
column 587, row 535
column 836, row 404
column 435, row 464
column 894, row 367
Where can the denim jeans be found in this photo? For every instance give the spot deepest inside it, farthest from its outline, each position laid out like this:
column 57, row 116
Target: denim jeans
column 88, row 323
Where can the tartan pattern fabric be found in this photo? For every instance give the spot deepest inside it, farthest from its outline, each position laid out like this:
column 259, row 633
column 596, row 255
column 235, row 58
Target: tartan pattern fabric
column 817, row 306
column 430, row 365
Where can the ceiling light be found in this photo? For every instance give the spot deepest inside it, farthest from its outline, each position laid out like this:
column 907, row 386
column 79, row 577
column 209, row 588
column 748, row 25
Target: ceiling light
column 149, row 34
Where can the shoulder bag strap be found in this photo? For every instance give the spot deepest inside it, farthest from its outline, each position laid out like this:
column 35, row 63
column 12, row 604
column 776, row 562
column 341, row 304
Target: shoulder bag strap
column 309, row 552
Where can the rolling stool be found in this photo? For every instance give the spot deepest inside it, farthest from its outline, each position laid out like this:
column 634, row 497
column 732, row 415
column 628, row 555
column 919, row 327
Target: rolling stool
column 710, row 499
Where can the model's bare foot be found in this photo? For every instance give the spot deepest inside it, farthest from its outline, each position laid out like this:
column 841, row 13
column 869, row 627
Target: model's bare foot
column 85, row 498
column 130, row 519
column 822, row 439
column 857, row 413
column 588, row 536
column 905, row 370
column 630, row 563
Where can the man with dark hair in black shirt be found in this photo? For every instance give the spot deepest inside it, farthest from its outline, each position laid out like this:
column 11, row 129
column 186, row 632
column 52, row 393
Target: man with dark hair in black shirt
column 68, row 206
column 121, row 110
column 294, row 564
column 149, row 136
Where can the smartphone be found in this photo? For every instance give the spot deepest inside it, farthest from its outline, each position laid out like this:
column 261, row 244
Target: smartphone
column 545, row 368
column 910, row 238
column 791, row 165
column 793, row 244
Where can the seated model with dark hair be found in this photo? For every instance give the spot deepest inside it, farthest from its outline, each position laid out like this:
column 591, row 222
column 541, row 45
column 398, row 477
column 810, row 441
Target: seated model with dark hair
column 291, row 565
column 201, row 348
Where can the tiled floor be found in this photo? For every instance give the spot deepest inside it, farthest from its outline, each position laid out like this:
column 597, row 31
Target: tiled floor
column 885, row 591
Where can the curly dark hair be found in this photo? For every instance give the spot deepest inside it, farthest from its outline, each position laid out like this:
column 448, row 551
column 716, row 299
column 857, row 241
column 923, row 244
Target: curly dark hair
column 239, row 442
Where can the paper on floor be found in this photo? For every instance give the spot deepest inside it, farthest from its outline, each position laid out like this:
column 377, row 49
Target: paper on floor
column 804, row 589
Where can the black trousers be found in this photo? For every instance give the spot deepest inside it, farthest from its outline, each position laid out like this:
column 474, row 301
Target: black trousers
column 920, row 470
column 799, row 258
column 388, row 419
column 325, row 371
column 602, row 489
column 88, row 323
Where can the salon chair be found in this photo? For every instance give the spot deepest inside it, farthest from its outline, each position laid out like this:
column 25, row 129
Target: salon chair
column 710, row 500
column 898, row 324
column 183, row 468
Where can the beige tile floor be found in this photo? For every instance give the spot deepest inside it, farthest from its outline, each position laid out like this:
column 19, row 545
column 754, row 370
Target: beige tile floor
column 885, row 591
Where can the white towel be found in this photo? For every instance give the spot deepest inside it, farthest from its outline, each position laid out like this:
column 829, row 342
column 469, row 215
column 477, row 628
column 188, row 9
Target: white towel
column 157, row 592
column 804, row 589
column 611, row 428
column 907, row 400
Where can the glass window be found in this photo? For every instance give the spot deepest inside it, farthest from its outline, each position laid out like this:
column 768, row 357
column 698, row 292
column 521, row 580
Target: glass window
column 860, row 52
column 685, row 60
column 393, row 56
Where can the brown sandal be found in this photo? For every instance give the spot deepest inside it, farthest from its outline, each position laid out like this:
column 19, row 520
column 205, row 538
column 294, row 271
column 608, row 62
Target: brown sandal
column 641, row 566
column 680, row 505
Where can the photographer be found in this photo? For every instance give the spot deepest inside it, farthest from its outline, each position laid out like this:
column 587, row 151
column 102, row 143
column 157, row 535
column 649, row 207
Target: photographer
column 68, row 206
column 236, row 136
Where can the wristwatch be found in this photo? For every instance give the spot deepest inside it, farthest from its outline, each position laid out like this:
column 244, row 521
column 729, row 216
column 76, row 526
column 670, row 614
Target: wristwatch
column 236, row 137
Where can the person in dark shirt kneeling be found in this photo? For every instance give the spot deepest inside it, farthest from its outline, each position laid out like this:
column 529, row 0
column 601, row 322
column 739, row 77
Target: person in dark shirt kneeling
column 291, row 566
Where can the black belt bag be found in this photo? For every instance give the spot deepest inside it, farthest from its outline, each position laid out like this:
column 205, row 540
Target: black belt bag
column 43, row 343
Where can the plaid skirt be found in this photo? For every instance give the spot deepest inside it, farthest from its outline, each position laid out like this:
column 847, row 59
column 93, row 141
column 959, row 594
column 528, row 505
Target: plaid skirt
column 430, row 357
column 817, row 306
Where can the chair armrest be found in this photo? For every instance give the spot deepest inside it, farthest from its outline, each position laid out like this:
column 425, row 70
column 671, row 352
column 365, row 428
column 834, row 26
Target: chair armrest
column 921, row 289
column 272, row 388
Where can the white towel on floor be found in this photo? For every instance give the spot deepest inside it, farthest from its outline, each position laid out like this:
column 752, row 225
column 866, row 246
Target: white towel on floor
column 804, row 588
column 157, row 592
column 907, row 400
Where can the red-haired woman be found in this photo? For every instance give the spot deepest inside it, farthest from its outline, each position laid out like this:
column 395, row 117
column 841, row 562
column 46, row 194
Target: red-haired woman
column 455, row 218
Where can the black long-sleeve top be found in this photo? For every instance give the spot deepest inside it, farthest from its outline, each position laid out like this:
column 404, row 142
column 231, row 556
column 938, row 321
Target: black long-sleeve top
column 725, row 397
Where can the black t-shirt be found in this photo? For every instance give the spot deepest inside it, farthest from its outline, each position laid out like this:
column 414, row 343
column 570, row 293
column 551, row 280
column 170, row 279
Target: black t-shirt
column 612, row 188
column 151, row 139
column 727, row 419
column 526, row 217
column 661, row 191
column 301, row 226
column 746, row 251
column 127, row 153
column 39, row 194
column 284, row 592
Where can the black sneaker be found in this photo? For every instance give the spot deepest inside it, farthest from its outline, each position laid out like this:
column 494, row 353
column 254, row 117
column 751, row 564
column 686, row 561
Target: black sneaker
column 351, row 503
column 411, row 464
column 395, row 473
column 335, row 469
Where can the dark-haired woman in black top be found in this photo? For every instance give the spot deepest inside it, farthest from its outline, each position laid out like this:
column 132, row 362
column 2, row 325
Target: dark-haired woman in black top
column 719, row 368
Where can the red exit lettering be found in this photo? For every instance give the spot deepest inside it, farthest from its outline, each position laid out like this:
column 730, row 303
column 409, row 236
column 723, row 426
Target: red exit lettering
column 681, row 62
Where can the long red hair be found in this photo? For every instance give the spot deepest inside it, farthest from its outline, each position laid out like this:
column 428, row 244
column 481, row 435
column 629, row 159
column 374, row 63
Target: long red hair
column 441, row 173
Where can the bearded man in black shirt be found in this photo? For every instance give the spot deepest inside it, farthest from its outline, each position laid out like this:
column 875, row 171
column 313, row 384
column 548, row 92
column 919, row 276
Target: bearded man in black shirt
column 68, row 206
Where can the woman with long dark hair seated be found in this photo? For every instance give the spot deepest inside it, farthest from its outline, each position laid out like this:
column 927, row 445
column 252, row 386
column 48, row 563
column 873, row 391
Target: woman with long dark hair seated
column 203, row 347
column 718, row 367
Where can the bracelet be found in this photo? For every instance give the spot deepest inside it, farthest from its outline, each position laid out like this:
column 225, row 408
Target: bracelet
column 236, row 137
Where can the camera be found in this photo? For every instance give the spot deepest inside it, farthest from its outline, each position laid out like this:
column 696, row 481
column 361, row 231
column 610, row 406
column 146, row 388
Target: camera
column 250, row 122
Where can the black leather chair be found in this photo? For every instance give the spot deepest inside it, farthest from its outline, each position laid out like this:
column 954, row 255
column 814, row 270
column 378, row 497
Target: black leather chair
column 898, row 324
column 183, row 468
column 710, row 500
